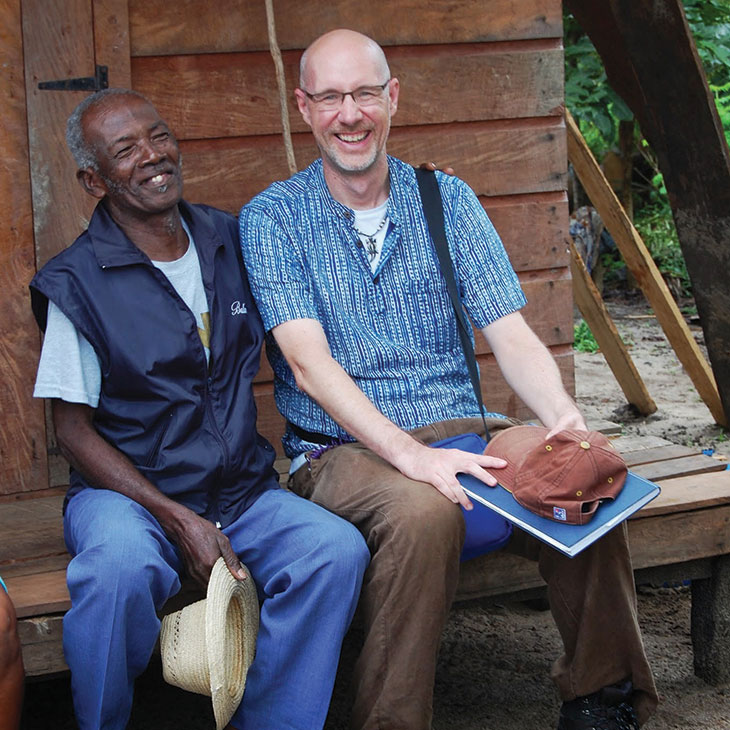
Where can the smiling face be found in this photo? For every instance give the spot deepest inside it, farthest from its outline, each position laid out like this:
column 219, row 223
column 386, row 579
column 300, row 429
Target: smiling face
column 352, row 137
column 138, row 160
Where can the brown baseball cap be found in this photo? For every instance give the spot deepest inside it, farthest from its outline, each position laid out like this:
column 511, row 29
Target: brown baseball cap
column 563, row 478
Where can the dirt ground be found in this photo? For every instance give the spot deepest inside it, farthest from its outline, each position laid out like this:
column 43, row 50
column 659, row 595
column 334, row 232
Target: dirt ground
column 495, row 659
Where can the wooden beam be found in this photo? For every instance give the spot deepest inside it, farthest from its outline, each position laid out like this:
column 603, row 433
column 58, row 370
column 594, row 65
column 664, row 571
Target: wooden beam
column 604, row 330
column 642, row 266
column 527, row 81
column 190, row 26
column 652, row 63
column 494, row 158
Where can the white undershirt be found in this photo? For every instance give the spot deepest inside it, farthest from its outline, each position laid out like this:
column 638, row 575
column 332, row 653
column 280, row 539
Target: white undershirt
column 367, row 222
column 69, row 367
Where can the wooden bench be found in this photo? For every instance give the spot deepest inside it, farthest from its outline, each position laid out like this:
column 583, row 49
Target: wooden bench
column 682, row 535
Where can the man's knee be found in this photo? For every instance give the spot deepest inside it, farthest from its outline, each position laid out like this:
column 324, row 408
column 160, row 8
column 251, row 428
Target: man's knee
column 342, row 548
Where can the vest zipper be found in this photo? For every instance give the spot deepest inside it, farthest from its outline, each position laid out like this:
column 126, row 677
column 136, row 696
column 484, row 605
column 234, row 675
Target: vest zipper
column 223, row 446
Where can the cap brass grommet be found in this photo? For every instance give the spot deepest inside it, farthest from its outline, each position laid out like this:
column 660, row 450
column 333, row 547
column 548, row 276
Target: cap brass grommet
column 610, row 480
column 548, row 448
column 585, row 445
column 579, row 493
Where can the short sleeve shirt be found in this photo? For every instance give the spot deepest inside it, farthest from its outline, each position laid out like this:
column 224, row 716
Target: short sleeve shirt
column 393, row 330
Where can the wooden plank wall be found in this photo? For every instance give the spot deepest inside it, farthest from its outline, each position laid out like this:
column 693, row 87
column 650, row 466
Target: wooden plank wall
column 481, row 89
column 22, row 434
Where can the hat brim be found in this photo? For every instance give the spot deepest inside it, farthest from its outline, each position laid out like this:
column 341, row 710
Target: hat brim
column 231, row 625
column 208, row 646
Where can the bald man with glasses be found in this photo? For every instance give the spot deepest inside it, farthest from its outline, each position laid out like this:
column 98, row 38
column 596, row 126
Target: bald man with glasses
column 368, row 371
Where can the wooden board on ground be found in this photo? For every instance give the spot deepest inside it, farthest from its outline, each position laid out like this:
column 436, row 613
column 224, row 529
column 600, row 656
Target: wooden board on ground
column 690, row 492
column 682, row 466
column 658, row 453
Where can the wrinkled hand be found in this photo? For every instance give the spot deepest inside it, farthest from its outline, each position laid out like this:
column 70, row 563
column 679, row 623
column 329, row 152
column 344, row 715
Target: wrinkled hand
column 439, row 468
column 570, row 420
column 201, row 543
column 433, row 166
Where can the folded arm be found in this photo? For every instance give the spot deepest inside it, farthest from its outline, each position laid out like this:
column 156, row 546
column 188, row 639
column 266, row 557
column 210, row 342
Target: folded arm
column 304, row 345
column 532, row 373
column 200, row 542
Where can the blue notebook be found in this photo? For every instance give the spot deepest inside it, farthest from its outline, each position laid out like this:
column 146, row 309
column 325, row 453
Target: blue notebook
column 569, row 539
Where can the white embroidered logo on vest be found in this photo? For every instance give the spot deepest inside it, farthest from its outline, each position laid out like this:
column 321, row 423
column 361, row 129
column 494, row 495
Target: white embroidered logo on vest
column 238, row 308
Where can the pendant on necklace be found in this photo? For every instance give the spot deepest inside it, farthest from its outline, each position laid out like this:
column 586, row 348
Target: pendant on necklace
column 371, row 247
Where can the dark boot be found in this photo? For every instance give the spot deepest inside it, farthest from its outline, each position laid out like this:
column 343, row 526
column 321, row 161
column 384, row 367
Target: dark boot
column 608, row 709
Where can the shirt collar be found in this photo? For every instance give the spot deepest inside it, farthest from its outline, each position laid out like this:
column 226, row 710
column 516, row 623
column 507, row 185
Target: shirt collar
column 113, row 248
column 398, row 192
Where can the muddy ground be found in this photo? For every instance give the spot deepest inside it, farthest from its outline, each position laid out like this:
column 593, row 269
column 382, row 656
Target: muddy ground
column 495, row 658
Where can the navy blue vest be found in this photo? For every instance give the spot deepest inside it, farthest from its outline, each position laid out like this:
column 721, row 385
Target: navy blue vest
column 189, row 426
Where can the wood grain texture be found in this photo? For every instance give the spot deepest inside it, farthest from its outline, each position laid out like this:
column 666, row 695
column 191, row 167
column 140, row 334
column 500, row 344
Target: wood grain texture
column 699, row 491
column 495, row 158
column 111, row 40
column 60, row 47
column 533, row 228
column 42, row 642
column 694, row 464
column 23, row 436
column 21, row 544
column 439, row 84
column 189, row 26
column 658, row 454
column 678, row 116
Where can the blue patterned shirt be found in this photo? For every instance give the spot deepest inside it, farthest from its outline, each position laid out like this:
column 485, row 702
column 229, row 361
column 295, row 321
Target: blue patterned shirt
column 393, row 330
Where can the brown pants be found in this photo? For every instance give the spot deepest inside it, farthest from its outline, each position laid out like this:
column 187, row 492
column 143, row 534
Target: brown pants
column 415, row 537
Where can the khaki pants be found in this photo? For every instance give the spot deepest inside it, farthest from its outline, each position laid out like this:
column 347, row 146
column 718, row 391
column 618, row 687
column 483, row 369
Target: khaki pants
column 415, row 536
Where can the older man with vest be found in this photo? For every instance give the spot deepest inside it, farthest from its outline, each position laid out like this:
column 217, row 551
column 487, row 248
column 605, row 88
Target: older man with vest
column 152, row 341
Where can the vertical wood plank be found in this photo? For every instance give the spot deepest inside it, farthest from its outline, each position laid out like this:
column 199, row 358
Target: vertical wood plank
column 58, row 42
column 111, row 40
column 22, row 436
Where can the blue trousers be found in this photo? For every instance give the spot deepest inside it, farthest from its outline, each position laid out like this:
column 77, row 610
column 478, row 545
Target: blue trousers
column 307, row 565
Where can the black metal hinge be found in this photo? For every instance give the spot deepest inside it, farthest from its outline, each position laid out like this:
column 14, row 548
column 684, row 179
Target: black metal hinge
column 87, row 83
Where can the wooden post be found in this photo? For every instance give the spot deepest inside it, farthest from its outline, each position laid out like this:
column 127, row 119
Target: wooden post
column 617, row 356
column 642, row 266
column 651, row 61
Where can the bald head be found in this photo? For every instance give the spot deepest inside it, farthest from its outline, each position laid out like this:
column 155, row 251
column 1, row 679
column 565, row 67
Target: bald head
column 341, row 48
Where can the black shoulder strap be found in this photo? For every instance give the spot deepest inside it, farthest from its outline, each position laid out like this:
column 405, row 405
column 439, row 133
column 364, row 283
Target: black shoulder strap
column 433, row 208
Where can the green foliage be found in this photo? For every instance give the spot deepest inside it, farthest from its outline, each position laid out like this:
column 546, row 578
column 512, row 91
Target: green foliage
column 595, row 105
column 656, row 227
column 583, row 339
column 598, row 111
column 709, row 21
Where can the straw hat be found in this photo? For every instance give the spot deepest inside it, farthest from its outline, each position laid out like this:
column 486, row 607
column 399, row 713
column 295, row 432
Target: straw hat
column 208, row 646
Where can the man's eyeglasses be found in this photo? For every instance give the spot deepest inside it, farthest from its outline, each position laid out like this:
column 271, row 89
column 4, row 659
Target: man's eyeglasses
column 364, row 96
